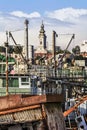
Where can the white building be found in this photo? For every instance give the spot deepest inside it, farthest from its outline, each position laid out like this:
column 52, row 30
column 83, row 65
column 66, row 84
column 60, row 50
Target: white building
column 83, row 46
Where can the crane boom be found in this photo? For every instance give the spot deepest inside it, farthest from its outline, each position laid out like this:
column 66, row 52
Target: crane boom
column 73, row 36
column 10, row 35
column 81, row 100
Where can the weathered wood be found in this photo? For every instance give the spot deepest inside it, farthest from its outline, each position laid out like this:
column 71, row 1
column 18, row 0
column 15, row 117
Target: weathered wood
column 55, row 117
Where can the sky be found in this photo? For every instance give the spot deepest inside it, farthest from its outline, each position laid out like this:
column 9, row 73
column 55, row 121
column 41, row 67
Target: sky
column 66, row 17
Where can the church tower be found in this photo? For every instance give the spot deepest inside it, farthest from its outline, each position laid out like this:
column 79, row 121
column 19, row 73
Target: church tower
column 42, row 37
column 42, row 49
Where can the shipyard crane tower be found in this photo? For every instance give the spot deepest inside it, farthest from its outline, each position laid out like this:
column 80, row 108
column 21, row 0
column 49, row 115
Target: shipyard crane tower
column 54, row 44
column 73, row 36
column 26, row 58
column 54, row 49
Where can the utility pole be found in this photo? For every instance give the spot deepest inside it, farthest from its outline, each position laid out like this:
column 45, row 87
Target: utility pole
column 6, row 45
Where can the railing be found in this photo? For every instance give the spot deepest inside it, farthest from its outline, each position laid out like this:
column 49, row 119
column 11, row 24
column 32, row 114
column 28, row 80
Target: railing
column 67, row 73
column 48, row 71
column 45, row 72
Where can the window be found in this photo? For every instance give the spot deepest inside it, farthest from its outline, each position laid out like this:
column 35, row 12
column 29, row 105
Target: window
column 41, row 43
column 25, row 81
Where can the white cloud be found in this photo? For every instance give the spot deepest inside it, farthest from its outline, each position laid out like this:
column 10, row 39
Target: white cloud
column 67, row 14
column 34, row 15
column 25, row 15
column 66, row 20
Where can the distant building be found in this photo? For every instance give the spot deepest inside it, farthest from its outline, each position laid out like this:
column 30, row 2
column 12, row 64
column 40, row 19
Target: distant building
column 83, row 51
column 83, row 47
column 80, row 63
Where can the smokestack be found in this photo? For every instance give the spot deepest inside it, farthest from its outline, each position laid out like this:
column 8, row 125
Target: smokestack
column 26, row 38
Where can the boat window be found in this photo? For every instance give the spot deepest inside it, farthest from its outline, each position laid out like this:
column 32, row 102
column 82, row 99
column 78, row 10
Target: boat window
column 25, row 81
column 12, row 82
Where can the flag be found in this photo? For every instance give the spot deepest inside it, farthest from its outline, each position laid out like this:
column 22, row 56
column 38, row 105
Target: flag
column 12, row 72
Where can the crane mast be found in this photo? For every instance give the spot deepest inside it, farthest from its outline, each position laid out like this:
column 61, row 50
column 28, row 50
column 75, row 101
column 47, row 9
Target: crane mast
column 73, row 36
column 25, row 60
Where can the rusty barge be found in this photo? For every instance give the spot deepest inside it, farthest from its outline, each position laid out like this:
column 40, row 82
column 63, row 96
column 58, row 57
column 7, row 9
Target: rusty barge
column 35, row 112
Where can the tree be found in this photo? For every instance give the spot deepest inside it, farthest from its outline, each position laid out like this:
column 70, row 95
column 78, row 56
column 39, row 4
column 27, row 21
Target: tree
column 76, row 50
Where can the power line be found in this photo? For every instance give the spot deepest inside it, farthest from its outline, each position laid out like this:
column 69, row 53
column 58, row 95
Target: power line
column 65, row 34
column 17, row 30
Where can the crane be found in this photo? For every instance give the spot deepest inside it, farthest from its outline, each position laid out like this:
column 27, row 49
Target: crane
column 80, row 101
column 81, row 120
column 73, row 36
column 10, row 35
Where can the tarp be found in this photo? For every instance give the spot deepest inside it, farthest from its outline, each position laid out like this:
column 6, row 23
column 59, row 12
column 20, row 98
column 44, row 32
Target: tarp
column 3, row 58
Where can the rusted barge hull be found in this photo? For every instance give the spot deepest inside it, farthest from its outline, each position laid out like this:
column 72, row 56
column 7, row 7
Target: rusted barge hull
column 19, row 101
column 17, row 109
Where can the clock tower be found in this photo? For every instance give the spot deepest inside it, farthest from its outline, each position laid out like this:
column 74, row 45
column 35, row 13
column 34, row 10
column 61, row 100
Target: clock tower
column 42, row 37
column 42, row 49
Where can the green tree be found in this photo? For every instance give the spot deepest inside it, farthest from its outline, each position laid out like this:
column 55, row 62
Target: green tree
column 76, row 50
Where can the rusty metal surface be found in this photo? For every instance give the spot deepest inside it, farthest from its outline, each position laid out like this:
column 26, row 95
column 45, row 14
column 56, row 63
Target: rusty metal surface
column 23, row 108
column 16, row 101
column 22, row 116
column 26, row 108
column 54, row 98
column 19, row 109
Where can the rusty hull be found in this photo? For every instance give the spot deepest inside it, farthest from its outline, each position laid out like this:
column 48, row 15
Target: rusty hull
column 11, row 103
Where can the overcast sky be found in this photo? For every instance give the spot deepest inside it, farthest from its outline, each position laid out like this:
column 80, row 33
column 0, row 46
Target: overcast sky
column 63, row 16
